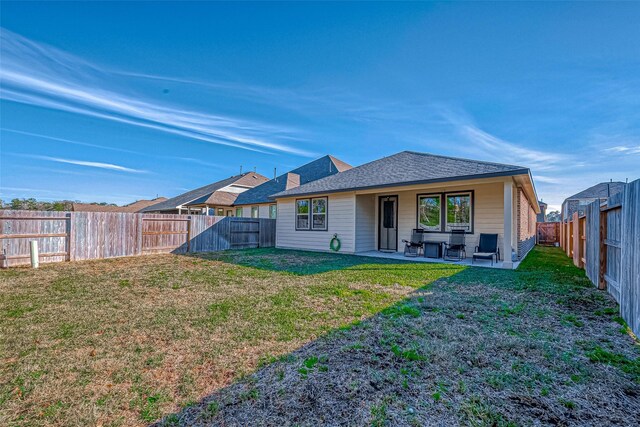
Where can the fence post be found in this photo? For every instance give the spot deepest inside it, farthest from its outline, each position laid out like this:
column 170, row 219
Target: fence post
column 602, row 284
column 189, row 234
column 71, row 237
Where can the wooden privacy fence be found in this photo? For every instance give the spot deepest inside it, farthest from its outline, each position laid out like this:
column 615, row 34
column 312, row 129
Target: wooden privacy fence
column 605, row 241
column 548, row 233
column 71, row 236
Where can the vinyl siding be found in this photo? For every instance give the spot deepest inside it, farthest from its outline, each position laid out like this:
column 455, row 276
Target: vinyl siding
column 263, row 210
column 365, row 223
column 488, row 213
column 341, row 221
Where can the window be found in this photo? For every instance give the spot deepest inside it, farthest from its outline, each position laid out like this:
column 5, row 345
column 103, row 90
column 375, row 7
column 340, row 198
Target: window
column 302, row 214
column 458, row 212
column 454, row 214
column 239, row 212
column 220, row 211
column 273, row 211
column 429, row 212
column 254, row 211
column 319, row 212
column 311, row 214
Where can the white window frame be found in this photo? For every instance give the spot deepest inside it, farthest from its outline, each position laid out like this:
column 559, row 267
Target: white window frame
column 273, row 211
column 255, row 209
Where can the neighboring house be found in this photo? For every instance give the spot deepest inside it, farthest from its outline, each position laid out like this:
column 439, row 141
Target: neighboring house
column 542, row 216
column 376, row 205
column 578, row 202
column 212, row 199
column 257, row 202
column 131, row 208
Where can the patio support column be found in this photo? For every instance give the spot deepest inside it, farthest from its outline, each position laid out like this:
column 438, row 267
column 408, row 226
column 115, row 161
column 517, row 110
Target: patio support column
column 507, row 226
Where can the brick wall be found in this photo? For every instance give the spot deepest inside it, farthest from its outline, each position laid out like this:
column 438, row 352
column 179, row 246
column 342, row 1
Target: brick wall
column 526, row 229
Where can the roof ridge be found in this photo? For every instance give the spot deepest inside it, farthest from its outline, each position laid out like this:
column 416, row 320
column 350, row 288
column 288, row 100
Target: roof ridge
column 461, row 158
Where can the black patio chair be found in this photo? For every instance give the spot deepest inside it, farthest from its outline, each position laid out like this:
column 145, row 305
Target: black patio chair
column 487, row 248
column 456, row 247
column 413, row 247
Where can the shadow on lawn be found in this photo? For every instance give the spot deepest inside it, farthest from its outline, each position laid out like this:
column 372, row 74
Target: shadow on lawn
column 306, row 262
column 472, row 348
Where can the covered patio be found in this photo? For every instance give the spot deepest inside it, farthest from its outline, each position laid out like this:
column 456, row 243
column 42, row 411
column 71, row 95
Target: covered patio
column 465, row 261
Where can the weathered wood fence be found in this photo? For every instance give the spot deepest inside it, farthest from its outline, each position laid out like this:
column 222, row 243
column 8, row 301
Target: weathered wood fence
column 547, row 233
column 72, row 236
column 605, row 241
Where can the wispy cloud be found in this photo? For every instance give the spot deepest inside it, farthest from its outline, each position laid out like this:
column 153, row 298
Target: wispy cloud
column 37, row 74
column 91, row 164
column 98, row 165
column 624, row 149
column 501, row 150
column 69, row 141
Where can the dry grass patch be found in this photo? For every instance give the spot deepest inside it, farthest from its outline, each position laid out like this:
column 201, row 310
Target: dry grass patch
column 127, row 341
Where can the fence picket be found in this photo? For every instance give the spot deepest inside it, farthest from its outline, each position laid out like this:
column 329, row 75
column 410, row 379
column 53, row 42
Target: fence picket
column 67, row 236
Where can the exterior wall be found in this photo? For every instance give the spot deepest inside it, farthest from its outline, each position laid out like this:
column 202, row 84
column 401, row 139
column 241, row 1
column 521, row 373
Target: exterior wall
column 488, row 213
column 340, row 220
column 526, row 225
column 366, row 230
column 263, row 210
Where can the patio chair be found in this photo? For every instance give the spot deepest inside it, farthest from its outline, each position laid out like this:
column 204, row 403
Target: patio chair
column 456, row 246
column 487, row 248
column 413, row 247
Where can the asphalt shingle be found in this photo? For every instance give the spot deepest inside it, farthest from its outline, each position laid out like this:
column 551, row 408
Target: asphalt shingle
column 404, row 168
column 317, row 169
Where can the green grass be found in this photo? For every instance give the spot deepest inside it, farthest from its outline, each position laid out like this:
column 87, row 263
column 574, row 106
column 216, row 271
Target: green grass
column 128, row 341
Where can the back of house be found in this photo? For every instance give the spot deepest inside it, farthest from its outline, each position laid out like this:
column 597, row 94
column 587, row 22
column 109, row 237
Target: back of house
column 373, row 207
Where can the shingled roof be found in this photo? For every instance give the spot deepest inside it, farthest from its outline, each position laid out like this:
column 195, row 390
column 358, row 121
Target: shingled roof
column 247, row 179
column 317, row 169
column 599, row 191
column 405, row 168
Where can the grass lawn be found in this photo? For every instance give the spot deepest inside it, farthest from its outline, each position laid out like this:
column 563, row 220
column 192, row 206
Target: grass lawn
column 273, row 337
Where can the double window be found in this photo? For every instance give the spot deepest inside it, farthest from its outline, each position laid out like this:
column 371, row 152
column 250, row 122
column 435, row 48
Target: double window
column 443, row 212
column 311, row 214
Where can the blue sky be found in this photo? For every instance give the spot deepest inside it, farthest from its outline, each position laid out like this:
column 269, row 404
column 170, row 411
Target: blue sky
column 120, row 101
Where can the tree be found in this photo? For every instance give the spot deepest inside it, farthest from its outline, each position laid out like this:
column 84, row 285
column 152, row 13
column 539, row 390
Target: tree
column 553, row 216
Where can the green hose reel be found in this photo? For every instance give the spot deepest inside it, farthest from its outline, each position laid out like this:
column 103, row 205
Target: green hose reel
column 335, row 243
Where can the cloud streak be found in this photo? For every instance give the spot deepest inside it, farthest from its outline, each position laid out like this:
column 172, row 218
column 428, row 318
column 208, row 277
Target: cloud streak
column 624, row 149
column 502, row 150
column 87, row 163
column 40, row 75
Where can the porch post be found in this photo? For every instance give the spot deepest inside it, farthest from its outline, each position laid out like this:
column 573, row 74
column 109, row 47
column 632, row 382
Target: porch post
column 507, row 226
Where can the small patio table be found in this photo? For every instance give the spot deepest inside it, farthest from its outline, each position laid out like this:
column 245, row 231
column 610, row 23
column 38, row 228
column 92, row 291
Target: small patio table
column 432, row 249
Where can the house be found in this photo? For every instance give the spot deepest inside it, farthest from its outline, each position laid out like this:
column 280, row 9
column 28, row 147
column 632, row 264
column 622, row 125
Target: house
column 374, row 206
column 542, row 216
column 212, row 199
column 134, row 207
column 257, row 202
column 578, row 202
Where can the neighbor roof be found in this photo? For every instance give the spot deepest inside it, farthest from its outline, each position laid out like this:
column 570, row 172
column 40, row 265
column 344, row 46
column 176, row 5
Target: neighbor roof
column 223, row 198
column 247, row 179
column 405, row 168
column 317, row 169
column 599, row 191
column 131, row 208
